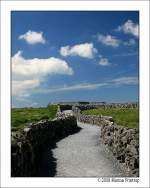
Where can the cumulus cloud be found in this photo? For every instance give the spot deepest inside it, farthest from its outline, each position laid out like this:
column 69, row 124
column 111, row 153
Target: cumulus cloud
column 38, row 67
column 108, row 40
column 104, row 62
column 23, row 87
column 28, row 74
column 85, row 50
column 129, row 27
column 33, row 37
column 130, row 42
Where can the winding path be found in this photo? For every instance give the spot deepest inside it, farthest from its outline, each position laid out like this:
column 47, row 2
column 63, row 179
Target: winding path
column 83, row 155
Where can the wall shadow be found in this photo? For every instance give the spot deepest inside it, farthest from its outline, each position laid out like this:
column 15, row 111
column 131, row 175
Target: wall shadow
column 47, row 164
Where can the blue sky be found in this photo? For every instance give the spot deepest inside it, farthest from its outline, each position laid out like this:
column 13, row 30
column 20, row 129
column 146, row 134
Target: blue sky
column 72, row 56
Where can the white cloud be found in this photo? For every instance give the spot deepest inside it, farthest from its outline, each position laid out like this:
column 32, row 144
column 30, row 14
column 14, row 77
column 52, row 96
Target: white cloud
column 125, row 81
column 23, row 87
column 28, row 74
column 82, row 86
column 38, row 67
column 85, row 50
column 129, row 27
column 130, row 42
column 32, row 37
column 91, row 86
column 104, row 62
column 108, row 40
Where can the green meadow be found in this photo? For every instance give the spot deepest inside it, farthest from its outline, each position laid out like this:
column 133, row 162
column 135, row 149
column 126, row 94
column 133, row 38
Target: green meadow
column 20, row 117
column 126, row 117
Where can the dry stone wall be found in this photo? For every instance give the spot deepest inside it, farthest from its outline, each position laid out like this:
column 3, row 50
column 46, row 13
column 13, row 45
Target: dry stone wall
column 105, row 106
column 123, row 142
column 28, row 144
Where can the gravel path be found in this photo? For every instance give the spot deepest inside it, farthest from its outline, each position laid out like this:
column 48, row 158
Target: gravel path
column 82, row 155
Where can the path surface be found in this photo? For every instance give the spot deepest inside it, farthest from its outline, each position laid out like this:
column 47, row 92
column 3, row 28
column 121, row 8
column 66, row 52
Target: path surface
column 82, row 155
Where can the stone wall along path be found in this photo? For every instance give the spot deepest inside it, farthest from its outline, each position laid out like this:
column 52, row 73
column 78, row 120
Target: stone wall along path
column 83, row 155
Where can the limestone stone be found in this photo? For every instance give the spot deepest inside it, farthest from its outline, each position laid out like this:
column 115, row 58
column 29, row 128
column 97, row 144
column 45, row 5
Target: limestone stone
column 122, row 141
column 27, row 144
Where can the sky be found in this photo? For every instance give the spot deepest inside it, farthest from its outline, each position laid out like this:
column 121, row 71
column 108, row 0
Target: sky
column 74, row 56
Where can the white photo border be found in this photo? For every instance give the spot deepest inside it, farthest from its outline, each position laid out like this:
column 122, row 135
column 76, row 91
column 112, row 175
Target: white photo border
column 6, row 8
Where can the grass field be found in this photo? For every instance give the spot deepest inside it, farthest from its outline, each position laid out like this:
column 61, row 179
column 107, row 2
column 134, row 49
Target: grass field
column 21, row 116
column 125, row 117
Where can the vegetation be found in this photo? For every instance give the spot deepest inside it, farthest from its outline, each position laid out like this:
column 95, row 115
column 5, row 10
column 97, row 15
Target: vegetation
column 127, row 117
column 20, row 117
column 84, row 102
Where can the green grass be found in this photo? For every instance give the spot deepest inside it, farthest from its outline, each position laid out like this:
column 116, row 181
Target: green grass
column 21, row 116
column 126, row 117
